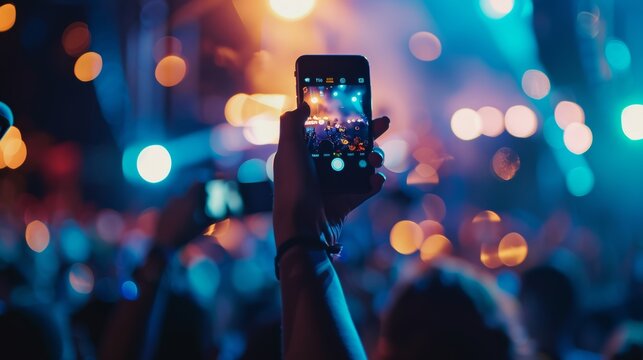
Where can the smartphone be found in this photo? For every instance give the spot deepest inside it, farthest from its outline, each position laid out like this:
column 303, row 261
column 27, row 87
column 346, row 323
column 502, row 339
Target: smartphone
column 229, row 198
column 338, row 131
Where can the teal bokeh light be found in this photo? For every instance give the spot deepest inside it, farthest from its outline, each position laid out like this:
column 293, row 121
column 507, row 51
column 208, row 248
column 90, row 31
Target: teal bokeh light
column 252, row 171
column 618, row 55
column 580, row 181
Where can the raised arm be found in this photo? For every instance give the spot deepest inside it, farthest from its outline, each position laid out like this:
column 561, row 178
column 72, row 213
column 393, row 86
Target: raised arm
column 316, row 321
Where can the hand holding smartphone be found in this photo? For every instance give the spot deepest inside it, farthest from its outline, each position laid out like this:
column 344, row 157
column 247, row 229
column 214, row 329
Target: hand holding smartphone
column 338, row 131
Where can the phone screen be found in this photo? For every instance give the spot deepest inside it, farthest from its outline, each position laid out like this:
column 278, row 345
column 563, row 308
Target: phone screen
column 338, row 131
column 338, row 124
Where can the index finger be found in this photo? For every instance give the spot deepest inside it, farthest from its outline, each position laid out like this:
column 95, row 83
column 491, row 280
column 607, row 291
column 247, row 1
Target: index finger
column 380, row 125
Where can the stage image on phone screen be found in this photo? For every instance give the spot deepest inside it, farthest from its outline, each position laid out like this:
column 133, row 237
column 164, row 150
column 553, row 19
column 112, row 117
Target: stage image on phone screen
column 337, row 124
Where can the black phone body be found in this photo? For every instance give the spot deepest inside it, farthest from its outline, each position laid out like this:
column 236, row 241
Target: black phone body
column 338, row 131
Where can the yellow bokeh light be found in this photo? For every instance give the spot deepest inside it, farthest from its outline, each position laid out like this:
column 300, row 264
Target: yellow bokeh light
column 233, row 110
column 425, row 46
column 262, row 129
column 37, row 236
column 521, row 121
column 535, row 84
column 486, row 216
column 406, row 237
column 466, row 124
column 88, row 66
column 435, row 246
column 567, row 112
column 489, row 256
column 578, row 138
column 7, row 17
column 171, row 70
column 493, row 121
column 632, row 121
column 505, row 163
column 76, row 38
column 512, row 249
column 292, row 9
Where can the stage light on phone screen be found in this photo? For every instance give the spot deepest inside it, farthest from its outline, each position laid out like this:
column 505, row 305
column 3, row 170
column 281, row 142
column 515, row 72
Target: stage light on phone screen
column 337, row 164
column 362, row 163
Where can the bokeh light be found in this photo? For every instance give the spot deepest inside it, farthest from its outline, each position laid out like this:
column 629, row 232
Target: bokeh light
column 76, row 38
column 423, row 174
column 167, row 45
column 37, row 236
column 489, row 256
column 578, row 138
column 580, row 181
column 13, row 151
column 493, row 121
column 434, row 207
column 521, row 121
column 233, row 110
column 129, row 290
column 73, row 242
column 406, row 237
column 505, row 163
column 568, row 112
column 109, row 225
column 171, row 70
column 425, row 46
column 7, row 17
column 292, row 9
column 81, row 278
column 154, row 163
column 252, row 171
column 486, row 216
column 632, row 121
column 203, row 277
column 270, row 166
column 496, row 9
column 535, row 84
column 88, row 66
column 397, row 154
column 618, row 55
column 512, row 249
column 262, row 130
column 435, row 246
column 466, row 124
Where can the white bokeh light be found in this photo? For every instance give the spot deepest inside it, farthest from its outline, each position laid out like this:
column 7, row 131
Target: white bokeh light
column 154, row 163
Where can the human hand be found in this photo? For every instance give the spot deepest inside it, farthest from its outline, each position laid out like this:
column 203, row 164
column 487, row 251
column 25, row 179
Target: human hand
column 300, row 209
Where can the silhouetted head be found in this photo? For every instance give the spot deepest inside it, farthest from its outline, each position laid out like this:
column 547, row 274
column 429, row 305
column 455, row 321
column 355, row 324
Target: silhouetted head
column 548, row 303
column 449, row 312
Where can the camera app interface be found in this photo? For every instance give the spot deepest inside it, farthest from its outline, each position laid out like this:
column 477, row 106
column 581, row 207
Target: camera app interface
column 338, row 124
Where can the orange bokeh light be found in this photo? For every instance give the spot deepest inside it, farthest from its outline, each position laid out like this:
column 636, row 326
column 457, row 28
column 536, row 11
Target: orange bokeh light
column 88, row 66
column 171, row 70
column 37, row 236
column 513, row 249
column 505, row 163
column 7, row 17
column 406, row 237
column 435, row 246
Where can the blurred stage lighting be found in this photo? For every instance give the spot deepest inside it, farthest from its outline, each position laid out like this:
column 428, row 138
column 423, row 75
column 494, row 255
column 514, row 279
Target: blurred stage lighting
column 88, row 66
column 292, row 9
column 521, row 121
column 466, row 124
column 171, row 70
column 535, row 84
column 567, row 112
column 496, row 9
column 154, row 163
column 578, row 138
column 7, row 17
column 425, row 46
column 618, row 55
column 493, row 121
column 580, row 181
column 632, row 121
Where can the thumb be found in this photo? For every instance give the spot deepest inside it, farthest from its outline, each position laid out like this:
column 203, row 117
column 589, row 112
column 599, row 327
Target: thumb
column 291, row 127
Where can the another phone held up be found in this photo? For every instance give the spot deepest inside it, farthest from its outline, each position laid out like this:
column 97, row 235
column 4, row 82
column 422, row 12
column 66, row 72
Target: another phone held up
column 338, row 132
